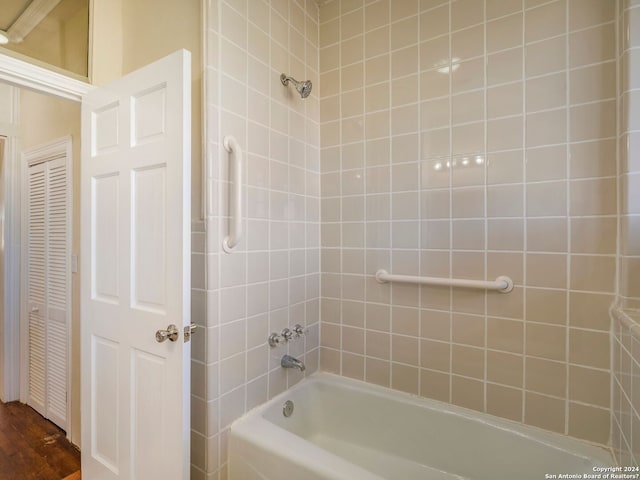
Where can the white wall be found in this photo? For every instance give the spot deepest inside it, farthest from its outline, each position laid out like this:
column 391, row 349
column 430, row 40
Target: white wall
column 107, row 38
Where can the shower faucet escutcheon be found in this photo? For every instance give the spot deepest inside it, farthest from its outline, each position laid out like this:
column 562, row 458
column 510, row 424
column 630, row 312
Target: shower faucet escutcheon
column 287, row 335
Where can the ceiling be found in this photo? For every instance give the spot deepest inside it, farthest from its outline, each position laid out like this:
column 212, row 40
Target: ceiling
column 10, row 11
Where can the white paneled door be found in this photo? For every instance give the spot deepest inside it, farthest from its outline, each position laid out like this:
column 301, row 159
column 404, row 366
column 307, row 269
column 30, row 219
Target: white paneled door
column 135, row 274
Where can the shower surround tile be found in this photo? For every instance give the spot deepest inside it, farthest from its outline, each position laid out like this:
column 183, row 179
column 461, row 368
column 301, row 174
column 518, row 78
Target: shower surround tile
column 625, row 417
column 474, row 172
column 272, row 278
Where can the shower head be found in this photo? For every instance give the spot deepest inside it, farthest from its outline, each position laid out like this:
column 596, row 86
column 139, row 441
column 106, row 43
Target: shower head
column 303, row 88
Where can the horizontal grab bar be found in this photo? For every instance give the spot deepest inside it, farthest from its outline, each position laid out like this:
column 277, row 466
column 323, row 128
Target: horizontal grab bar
column 235, row 199
column 502, row 284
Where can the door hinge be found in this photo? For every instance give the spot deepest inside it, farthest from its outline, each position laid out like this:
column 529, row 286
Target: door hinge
column 188, row 331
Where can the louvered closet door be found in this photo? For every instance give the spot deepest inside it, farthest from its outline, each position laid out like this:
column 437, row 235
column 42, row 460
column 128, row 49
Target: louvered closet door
column 47, row 289
column 36, row 289
column 56, row 285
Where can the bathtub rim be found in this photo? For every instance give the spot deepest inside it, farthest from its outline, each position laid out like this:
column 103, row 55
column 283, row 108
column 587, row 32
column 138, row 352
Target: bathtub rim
column 574, row 446
column 268, row 438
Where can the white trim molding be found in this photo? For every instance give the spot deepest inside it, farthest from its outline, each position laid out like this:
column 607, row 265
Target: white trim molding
column 59, row 148
column 23, row 74
column 10, row 389
column 10, row 350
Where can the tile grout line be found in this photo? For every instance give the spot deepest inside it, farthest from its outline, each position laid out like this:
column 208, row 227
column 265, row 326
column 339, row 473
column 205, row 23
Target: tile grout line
column 485, row 206
column 421, row 290
column 341, row 203
column 450, row 187
column 620, row 59
column 364, row 190
column 523, row 162
column 390, row 183
column 568, row 213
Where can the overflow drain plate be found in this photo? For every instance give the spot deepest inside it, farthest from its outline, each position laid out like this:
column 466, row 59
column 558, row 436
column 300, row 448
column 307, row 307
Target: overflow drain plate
column 287, row 408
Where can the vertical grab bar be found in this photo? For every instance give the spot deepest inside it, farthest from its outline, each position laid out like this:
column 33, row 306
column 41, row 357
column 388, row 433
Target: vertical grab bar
column 235, row 199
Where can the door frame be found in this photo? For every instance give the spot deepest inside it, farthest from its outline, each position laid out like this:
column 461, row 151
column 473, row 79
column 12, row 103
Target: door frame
column 34, row 156
column 10, row 388
column 25, row 75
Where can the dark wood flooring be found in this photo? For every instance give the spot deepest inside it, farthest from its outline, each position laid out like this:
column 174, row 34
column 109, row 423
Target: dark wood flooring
column 32, row 447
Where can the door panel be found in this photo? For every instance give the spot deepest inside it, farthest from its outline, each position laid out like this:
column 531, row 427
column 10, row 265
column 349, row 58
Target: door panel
column 136, row 274
column 104, row 407
column 104, row 231
column 148, row 233
column 148, row 406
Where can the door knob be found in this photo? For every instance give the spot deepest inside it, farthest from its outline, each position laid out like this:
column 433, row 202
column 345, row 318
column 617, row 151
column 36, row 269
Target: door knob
column 171, row 333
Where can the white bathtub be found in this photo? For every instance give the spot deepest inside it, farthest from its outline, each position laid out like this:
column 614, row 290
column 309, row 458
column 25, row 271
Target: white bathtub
column 343, row 429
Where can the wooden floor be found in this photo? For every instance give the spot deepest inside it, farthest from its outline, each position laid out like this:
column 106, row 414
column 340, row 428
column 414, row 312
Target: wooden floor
column 32, row 447
column 74, row 476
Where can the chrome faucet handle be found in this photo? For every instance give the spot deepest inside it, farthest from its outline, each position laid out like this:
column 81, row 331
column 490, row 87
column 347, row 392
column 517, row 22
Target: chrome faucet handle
column 298, row 330
column 287, row 334
column 275, row 339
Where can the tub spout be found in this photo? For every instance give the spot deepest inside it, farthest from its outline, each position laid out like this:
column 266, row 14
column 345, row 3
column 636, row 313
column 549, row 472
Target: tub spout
column 291, row 362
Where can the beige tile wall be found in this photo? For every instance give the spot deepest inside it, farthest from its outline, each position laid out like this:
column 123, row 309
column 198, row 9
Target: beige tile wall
column 629, row 154
column 198, row 348
column 625, row 423
column 472, row 139
column 272, row 280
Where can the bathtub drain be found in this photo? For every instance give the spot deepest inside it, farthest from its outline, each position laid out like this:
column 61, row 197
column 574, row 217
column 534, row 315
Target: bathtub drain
column 287, row 408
